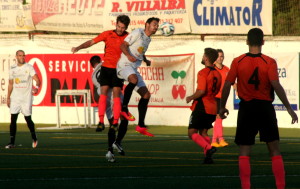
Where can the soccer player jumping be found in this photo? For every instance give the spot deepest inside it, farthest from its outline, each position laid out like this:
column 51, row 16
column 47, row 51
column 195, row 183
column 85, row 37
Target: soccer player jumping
column 133, row 53
column 108, row 77
column 204, row 105
column 257, row 78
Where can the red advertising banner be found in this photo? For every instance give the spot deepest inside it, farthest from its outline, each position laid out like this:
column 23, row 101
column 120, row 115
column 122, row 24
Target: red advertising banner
column 62, row 71
column 169, row 78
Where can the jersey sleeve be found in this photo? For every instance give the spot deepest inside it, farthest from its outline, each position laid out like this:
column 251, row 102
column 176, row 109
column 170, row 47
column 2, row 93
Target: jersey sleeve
column 201, row 82
column 272, row 72
column 101, row 37
column 232, row 74
column 133, row 36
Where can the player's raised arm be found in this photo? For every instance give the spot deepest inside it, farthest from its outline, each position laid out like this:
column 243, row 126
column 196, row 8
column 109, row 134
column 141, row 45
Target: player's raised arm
column 84, row 45
column 282, row 96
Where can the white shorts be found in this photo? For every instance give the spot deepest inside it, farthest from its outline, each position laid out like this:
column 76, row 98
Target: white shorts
column 24, row 108
column 125, row 71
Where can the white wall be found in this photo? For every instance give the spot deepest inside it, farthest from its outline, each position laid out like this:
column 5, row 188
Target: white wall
column 232, row 46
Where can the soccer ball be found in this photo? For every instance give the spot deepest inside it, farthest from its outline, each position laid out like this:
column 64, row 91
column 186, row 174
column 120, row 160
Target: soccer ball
column 167, row 29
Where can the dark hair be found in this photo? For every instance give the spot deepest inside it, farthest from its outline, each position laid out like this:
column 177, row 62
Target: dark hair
column 220, row 51
column 20, row 51
column 124, row 19
column 152, row 19
column 255, row 37
column 212, row 54
column 94, row 60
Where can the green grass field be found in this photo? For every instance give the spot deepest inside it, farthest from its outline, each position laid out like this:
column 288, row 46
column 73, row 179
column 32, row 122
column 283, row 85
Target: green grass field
column 76, row 159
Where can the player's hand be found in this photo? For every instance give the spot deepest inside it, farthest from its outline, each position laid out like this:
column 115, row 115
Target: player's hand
column 188, row 99
column 35, row 90
column 223, row 113
column 293, row 115
column 74, row 50
column 148, row 62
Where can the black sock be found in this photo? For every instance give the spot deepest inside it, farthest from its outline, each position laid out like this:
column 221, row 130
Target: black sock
column 13, row 127
column 142, row 107
column 127, row 95
column 122, row 130
column 30, row 125
column 111, row 137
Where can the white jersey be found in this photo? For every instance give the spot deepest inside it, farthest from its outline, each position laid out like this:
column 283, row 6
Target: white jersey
column 95, row 75
column 22, row 78
column 138, row 44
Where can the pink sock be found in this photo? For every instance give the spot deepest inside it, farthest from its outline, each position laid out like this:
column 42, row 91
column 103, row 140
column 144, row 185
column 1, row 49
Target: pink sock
column 218, row 129
column 207, row 139
column 278, row 171
column 245, row 171
column 102, row 107
column 117, row 109
column 200, row 140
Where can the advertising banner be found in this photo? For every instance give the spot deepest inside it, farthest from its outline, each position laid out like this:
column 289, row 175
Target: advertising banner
column 288, row 72
column 230, row 16
column 85, row 16
column 14, row 16
column 169, row 80
column 173, row 11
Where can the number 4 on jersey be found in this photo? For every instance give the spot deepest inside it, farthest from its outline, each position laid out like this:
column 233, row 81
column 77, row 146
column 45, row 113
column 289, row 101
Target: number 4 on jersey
column 254, row 80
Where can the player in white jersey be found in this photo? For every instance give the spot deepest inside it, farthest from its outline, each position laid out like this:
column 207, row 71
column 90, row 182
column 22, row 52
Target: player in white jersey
column 19, row 96
column 133, row 53
column 113, row 141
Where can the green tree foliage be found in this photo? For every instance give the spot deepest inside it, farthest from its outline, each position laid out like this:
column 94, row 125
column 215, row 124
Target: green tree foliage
column 286, row 17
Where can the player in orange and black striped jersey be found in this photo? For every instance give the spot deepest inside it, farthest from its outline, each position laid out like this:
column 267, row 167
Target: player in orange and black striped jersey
column 257, row 78
column 217, row 138
column 204, row 105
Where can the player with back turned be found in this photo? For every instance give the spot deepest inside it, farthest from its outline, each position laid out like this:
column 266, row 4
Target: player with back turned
column 204, row 105
column 257, row 78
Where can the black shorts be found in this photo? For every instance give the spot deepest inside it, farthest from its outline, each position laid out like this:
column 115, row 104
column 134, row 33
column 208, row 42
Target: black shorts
column 256, row 116
column 108, row 76
column 201, row 120
column 218, row 105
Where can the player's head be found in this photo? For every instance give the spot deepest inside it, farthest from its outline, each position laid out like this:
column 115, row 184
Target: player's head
column 20, row 56
column 122, row 24
column 255, row 37
column 220, row 58
column 209, row 57
column 151, row 26
column 95, row 60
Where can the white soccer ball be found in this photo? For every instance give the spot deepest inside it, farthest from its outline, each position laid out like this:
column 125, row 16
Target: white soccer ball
column 167, row 29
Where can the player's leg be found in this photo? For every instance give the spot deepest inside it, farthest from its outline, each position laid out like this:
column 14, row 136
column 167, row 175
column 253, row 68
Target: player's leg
column 219, row 131
column 244, row 166
column 117, row 87
column 277, row 164
column 132, row 79
column 102, row 104
column 269, row 133
column 121, row 133
column 12, row 130
column 31, row 128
